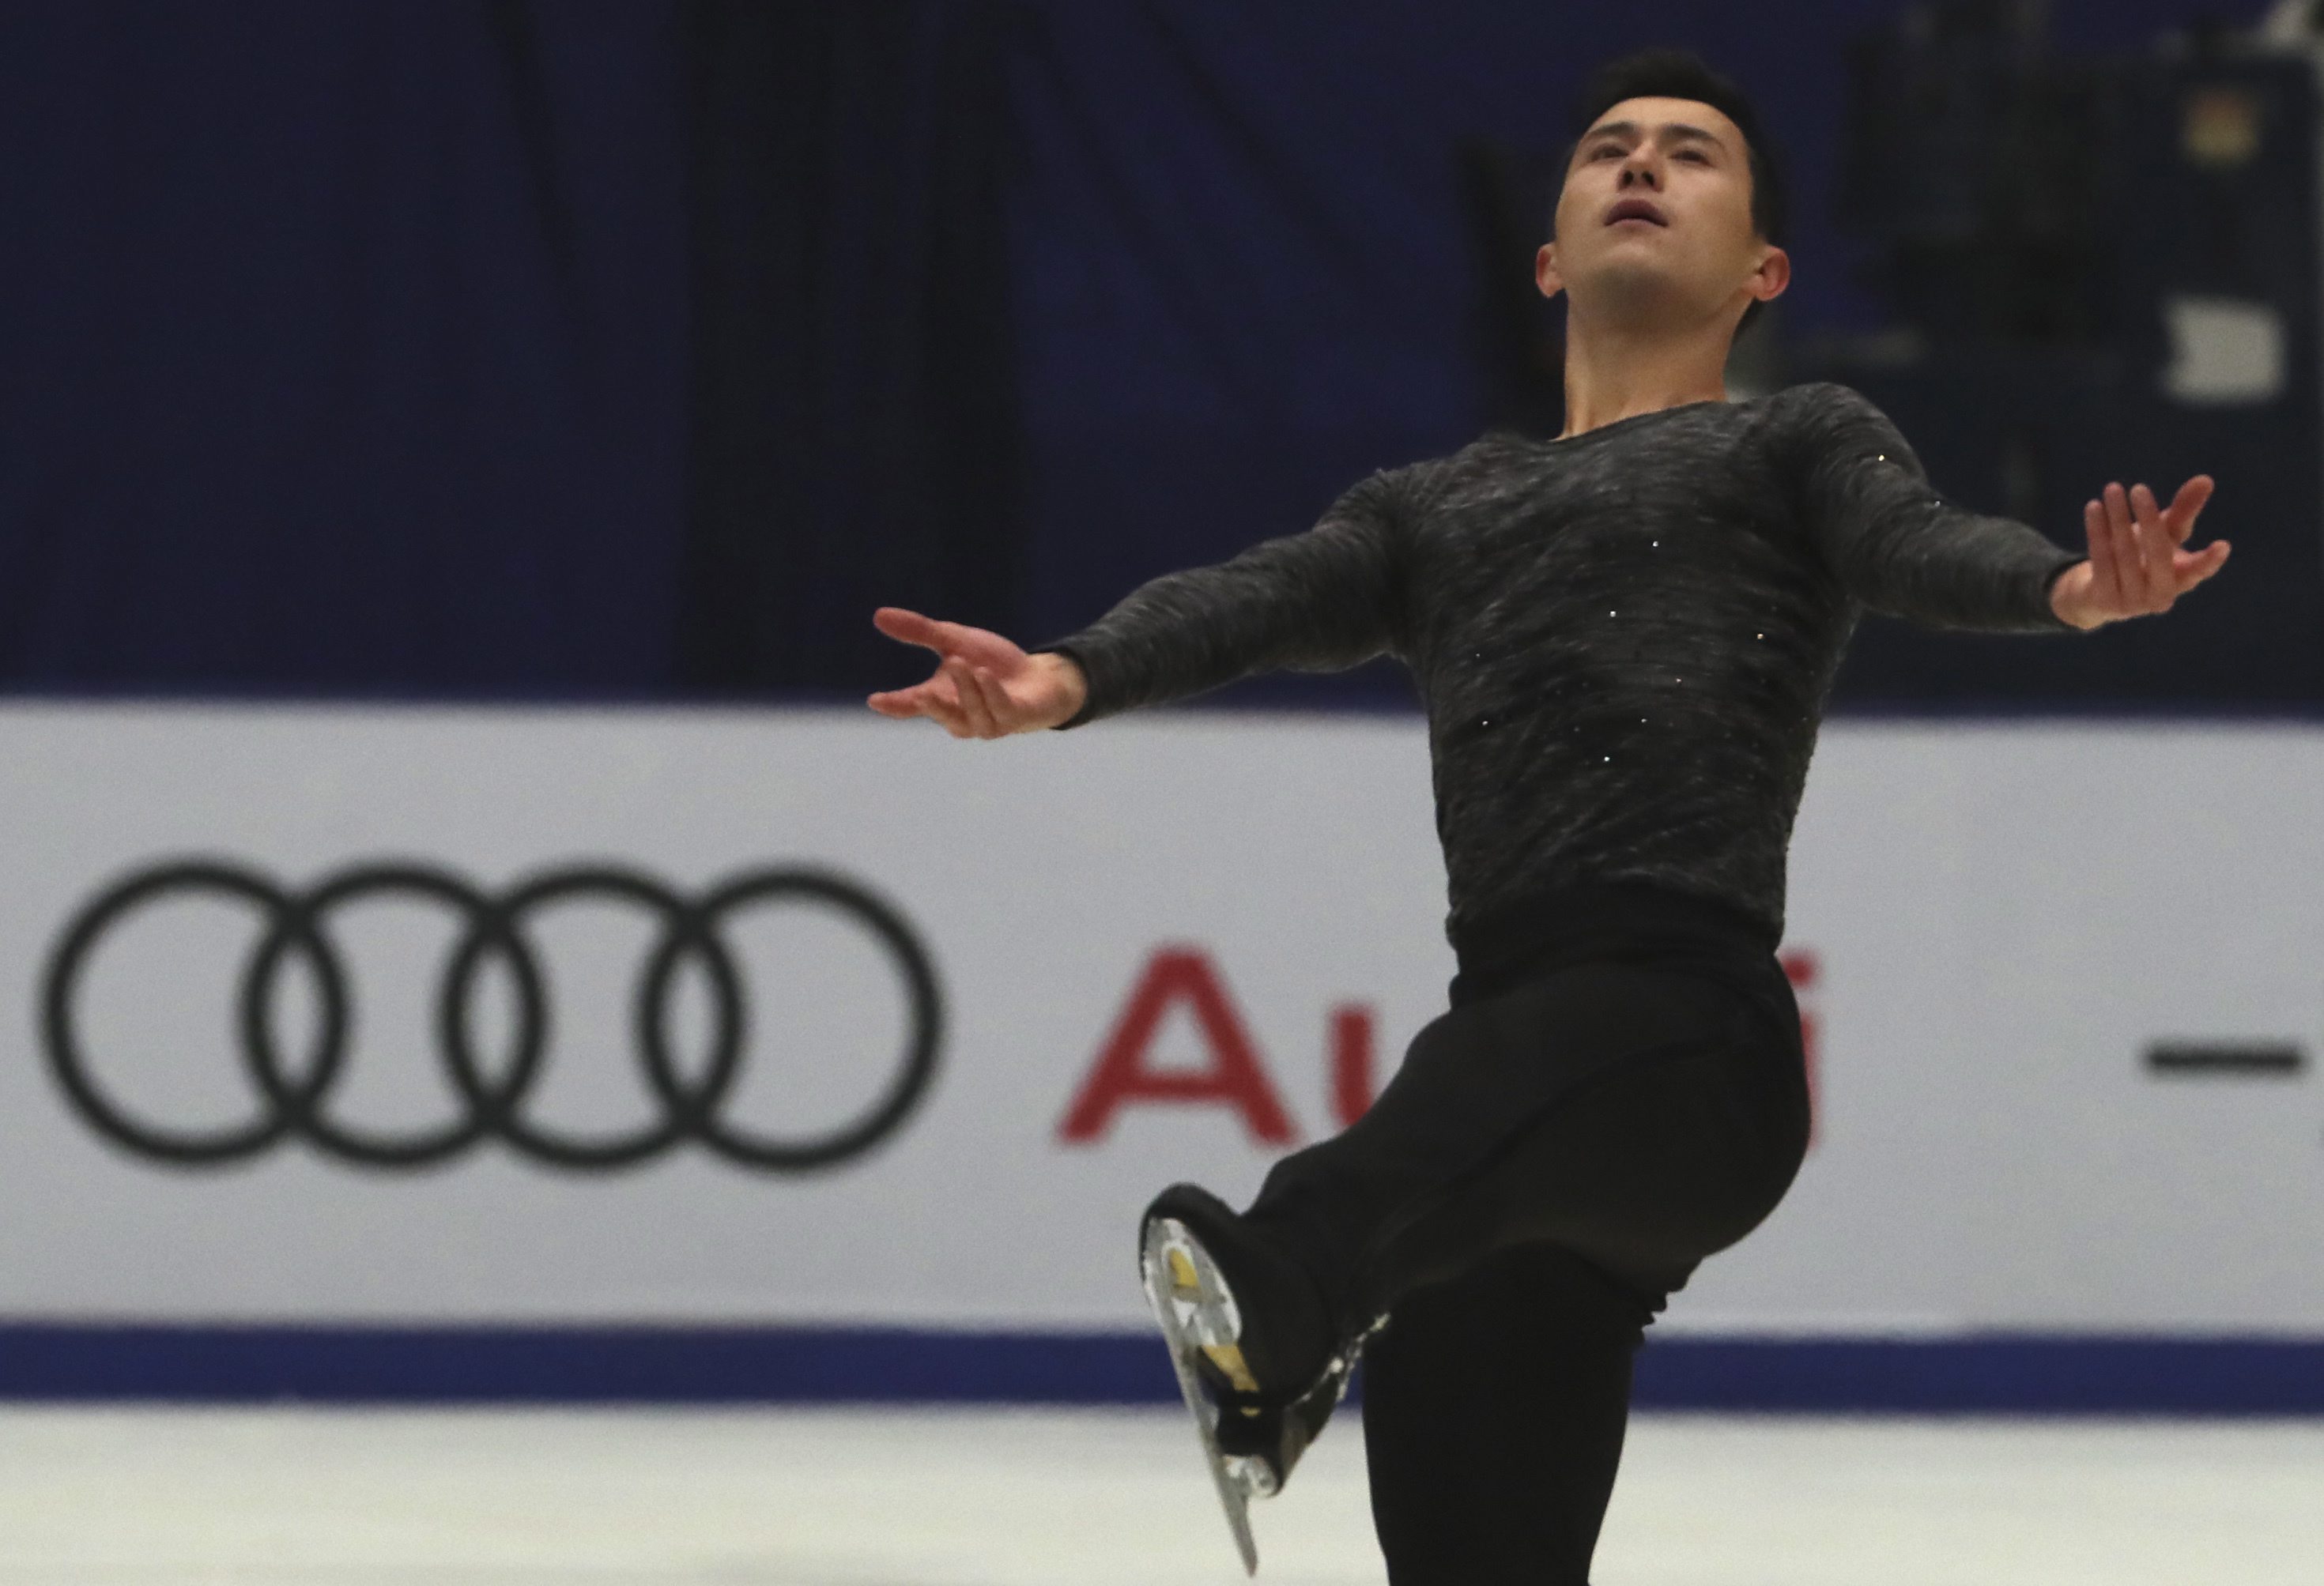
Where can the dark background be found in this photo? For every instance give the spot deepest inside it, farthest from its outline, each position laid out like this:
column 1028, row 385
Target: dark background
column 636, row 349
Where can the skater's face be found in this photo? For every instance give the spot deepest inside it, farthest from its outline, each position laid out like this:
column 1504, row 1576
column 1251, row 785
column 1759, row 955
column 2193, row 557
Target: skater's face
column 1655, row 228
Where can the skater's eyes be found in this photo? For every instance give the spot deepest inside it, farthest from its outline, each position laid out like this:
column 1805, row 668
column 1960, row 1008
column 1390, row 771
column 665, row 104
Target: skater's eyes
column 1603, row 150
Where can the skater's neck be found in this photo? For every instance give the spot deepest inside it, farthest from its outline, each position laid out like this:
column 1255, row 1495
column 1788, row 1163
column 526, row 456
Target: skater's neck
column 1616, row 371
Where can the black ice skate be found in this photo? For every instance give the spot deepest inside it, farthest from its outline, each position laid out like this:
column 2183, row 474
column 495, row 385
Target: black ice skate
column 1252, row 1430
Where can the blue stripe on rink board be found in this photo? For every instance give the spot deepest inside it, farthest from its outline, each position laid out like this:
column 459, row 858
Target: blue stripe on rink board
column 1998, row 1374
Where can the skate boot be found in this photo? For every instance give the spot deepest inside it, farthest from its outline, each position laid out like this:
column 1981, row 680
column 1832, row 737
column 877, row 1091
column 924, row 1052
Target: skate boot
column 1245, row 1331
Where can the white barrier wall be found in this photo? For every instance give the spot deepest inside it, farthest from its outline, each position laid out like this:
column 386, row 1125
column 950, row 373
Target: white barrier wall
column 1155, row 948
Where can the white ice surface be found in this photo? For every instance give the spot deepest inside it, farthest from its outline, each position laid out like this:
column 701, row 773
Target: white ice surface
column 140, row 1498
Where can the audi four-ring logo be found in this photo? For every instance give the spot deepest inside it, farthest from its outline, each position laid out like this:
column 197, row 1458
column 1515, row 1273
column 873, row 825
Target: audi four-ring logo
column 294, row 1102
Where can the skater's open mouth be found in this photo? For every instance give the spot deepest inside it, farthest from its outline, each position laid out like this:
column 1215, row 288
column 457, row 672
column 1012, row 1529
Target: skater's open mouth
column 1637, row 209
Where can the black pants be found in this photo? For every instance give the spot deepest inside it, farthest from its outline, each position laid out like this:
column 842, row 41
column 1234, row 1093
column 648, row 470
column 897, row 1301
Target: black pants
column 1618, row 1092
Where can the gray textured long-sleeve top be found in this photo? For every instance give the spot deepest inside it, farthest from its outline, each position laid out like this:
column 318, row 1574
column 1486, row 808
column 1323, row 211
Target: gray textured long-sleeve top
column 1624, row 639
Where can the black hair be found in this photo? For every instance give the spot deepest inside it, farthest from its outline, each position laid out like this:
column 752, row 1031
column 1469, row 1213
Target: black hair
column 1681, row 74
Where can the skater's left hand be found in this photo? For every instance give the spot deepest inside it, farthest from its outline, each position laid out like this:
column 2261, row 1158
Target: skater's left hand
column 2138, row 560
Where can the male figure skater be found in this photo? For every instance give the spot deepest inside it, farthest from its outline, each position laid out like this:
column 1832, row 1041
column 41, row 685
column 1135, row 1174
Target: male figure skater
column 1625, row 637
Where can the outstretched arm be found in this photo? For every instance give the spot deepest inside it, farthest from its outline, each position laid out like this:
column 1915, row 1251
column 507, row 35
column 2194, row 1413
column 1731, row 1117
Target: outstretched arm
column 1318, row 601
column 2138, row 560
column 1903, row 549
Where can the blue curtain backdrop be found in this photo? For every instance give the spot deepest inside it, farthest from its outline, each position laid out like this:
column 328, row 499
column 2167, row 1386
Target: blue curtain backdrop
column 856, row 425
column 344, row 347
column 636, row 348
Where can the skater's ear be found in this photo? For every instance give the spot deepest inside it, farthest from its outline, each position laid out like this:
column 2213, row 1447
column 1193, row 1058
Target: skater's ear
column 1546, row 272
column 1771, row 277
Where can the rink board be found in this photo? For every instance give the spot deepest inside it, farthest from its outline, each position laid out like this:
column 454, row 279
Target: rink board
column 2062, row 981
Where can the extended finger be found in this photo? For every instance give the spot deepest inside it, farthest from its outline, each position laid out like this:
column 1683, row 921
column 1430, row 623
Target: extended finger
column 935, row 699
column 2192, row 567
column 2106, row 583
column 2124, row 541
column 2129, row 554
column 2154, row 547
column 897, row 701
column 997, row 703
column 914, row 628
column 906, row 701
column 2138, row 559
column 2187, row 506
column 898, row 623
column 972, row 702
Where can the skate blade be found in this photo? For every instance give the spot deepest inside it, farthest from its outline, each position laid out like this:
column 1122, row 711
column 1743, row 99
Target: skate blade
column 1197, row 1318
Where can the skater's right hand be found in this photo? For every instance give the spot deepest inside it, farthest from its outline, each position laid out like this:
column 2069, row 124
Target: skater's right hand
column 983, row 686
